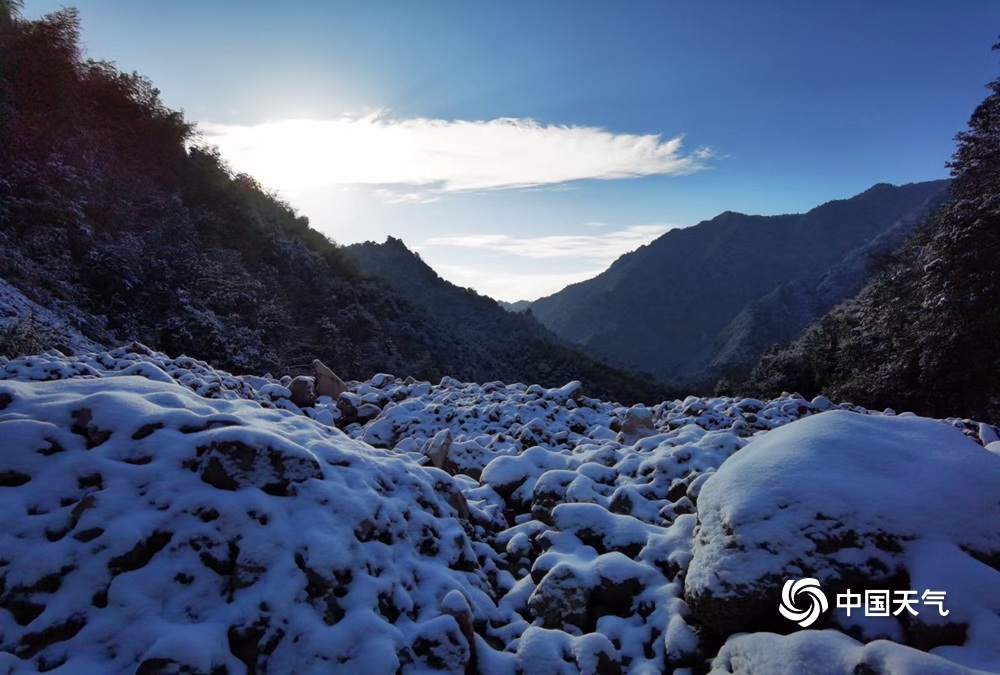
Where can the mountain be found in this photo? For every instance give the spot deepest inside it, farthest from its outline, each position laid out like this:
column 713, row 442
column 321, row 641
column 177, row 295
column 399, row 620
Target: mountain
column 518, row 306
column 924, row 333
column 782, row 315
column 703, row 302
column 117, row 226
column 491, row 343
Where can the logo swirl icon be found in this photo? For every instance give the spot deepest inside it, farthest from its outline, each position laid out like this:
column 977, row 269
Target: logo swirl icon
column 806, row 587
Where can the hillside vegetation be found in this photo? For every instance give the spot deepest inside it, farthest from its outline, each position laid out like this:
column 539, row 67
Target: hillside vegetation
column 116, row 218
column 924, row 334
column 704, row 302
column 512, row 347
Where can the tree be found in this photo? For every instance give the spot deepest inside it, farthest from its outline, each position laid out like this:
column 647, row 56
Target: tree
column 974, row 165
column 10, row 11
column 924, row 334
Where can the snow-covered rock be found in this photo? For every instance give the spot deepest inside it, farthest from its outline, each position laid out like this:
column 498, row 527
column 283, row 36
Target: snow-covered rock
column 158, row 515
column 856, row 502
column 144, row 525
column 826, row 653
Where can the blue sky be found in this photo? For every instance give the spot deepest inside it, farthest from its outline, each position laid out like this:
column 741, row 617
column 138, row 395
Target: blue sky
column 522, row 146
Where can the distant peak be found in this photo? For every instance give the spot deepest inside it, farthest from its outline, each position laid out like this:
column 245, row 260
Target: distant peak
column 879, row 187
column 395, row 243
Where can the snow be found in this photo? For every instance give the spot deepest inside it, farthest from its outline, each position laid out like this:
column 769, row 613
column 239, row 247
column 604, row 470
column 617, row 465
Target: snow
column 973, row 598
column 855, row 502
column 158, row 512
column 140, row 522
column 826, row 652
column 910, row 477
column 17, row 311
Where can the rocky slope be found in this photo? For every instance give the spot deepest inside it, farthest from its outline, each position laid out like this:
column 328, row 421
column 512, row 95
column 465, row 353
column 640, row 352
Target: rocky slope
column 161, row 516
column 702, row 302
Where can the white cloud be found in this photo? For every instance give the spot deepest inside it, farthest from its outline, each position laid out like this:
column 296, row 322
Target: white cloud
column 447, row 156
column 507, row 267
column 604, row 247
column 393, row 197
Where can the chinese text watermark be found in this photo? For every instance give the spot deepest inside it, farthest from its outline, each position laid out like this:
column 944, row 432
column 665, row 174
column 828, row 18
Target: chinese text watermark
column 803, row 601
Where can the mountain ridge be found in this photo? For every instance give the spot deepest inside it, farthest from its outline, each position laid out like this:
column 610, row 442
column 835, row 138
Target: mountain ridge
column 616, row 316
column 118, row 225
column 506, row 346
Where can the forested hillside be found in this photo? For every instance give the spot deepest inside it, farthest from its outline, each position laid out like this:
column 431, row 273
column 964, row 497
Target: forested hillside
column 114, row 216
column 704, row 302
column 512, row 347
column 924, row 334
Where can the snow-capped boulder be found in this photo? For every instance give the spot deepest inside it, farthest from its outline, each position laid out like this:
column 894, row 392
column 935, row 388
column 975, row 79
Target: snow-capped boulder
column 436, row 449
column 144, row 526
column 559, row 653
column 561, row 598
column 851, row 500
column 638, row 423
column 826, row 653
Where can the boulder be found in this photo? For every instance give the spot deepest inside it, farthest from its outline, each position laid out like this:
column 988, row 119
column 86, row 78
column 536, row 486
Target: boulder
column 327, row 382
column 348, row 404
column 638, row 423
column 233, row 464
column 303, row 391
column 436, row 448
column 847, row 499
column 553, row 651
column 562, row 597
column 456, row 605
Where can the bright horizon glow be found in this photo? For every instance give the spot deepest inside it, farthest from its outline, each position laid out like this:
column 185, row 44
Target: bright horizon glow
column 592, row 253
column 606, row 247
column 509, row 285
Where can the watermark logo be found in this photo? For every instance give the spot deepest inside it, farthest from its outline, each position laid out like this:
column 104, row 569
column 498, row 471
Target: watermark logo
column 879, row 603
column 873, row 602
column 813, row 594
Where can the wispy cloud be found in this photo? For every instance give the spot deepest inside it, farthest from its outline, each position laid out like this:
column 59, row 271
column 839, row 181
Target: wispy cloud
column 604, row 247
column 394, row 197
column 443, row 155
